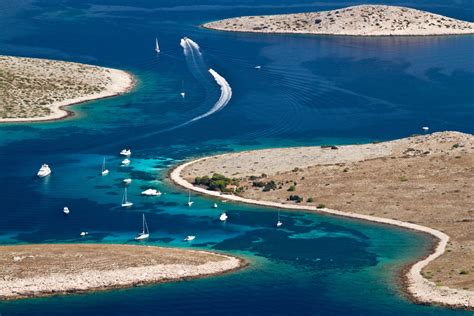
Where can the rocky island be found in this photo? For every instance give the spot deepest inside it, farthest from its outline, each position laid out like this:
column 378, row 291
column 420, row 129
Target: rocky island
column 51, row 269
column 362, row 20
column 33, row 89
column 421, row 182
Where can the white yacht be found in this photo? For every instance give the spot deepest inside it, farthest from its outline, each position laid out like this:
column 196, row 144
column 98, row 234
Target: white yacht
column 223, row 217
column 127, row 181
column 125, row 201
column 126, row 152
column 425, row 128
column 258, row 67
column 151, row 192
column 125, row 162
column 44, row 171
column 157, row 47
column 66, row 210
column 189, row 238
column 145, row 233
column 84, row 234
column 104, row 170
column 190, row 203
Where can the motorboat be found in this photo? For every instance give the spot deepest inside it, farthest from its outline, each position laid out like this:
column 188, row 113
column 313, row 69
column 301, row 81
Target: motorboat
column 127, row 181
column 125, row 162
column 44, row 171
column 223, row 217
column 151, row 192
column 66, row 210
column 126, row 152
column 189, row 238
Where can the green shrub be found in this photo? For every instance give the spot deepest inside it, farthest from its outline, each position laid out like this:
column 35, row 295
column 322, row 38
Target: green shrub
column 321, row 206
column 269, row 186
column 292, row 188
column 310, row 200
column 295, row 198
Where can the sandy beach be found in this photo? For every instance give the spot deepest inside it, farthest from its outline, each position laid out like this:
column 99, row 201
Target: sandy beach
column 421, row 183
column 362, row 20
column 33, row 89
column 52, row 269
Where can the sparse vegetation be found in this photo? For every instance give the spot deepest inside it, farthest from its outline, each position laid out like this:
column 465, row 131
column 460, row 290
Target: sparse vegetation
column 217, row 182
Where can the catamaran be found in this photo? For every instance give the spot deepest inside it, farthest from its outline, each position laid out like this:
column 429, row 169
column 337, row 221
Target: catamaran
column 44, row 171
column 151, row 192
column 66, row 210
column 223, row 217
column 145, row 233
column 279, row 223
column 157, row 47
column 125, row 201
column 104, row 171
column 190, row 203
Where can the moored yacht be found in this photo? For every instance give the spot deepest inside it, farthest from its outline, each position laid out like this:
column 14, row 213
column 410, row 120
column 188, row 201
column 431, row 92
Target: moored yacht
column 145, row 233
column 189, row 238
column 126, row 152
column 223, row 217
column 44, row 171
column 127, row 181
column 66, row 210
column 125, row 162
column 190, row 203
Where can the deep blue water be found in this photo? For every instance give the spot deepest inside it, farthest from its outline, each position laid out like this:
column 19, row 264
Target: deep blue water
column 310, row 90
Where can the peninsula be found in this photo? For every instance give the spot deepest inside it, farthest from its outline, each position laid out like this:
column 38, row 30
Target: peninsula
column 362, row 20
column 421, row 182
column 51, row 269
column 33, row 89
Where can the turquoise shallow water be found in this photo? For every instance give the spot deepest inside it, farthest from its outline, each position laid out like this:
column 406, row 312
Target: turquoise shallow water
column 310, row 90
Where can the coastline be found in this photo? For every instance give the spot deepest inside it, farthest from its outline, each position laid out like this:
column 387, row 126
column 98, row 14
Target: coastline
column 92, row 280
column 417, row 287
column 119, row 82
column 359, row 20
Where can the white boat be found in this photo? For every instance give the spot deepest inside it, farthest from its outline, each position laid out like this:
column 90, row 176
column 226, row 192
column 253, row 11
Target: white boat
column 157, row 47
column 258, row 67
column 125, row 201
column 104, row 171
column 127, row 181
column 145, row 233
column 190, row 203
column 126, row 152
column 223, row 217
column 189, row 238
column 279, row 223
column 151, row 192
column 183, row 94
column 214, row 205
column 66, row 210
column 425, row 128
column 125, row 162
column 44, row 171
column 84, row 234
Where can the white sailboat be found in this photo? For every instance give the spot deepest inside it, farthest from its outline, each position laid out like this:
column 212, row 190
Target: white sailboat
column 190, row 203
column 145, row 233
column 66, row 210
column 223, row 217
column 44, row 171
column 104, row 171
column 125, row 201
column 279, row 223
column 157, row 47
column 183, row 93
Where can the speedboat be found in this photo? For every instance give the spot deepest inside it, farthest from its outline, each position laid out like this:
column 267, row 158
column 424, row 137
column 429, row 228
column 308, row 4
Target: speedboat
column 151, row 192
column 44, row 171
column 127, row 181
column 125, row 162
column 84, row 233
column 66, row 210
column 126, row 152
column 189, row 238
column 145, row 233
column 223, row 217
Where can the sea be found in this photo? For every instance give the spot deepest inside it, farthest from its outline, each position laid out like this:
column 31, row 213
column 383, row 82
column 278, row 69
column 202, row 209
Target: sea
column 308, row 90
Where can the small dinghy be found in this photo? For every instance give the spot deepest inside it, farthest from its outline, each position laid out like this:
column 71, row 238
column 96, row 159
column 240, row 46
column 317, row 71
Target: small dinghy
column 223, row 217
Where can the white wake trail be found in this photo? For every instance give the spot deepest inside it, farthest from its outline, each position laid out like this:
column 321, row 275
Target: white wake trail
column 189, row 45
column 226, row 95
